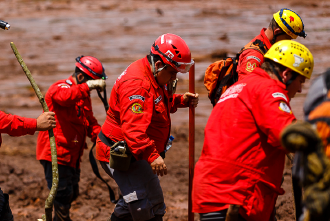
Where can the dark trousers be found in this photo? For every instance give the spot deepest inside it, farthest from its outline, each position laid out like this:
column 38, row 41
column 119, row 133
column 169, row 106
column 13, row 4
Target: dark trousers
column 216, row 216
column 68, row 188
column 5, row 211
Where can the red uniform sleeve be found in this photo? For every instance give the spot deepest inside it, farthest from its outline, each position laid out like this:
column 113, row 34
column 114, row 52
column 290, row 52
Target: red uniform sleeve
column 16, row 126
column 67, row 95
column 93, row 127
column 136, row 110
column 178, row 102
column 272, row 113
column 248, row 61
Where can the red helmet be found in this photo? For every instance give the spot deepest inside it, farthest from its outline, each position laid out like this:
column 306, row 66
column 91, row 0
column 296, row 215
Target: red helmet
column 174, row 51
column 91, row 66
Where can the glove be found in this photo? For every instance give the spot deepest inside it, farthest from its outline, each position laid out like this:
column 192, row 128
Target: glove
column 96, row 84
column 300, row 136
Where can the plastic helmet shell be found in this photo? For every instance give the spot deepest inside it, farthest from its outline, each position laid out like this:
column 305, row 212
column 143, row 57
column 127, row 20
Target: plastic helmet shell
column 174, row 48
column 293, row 55
column 94, row 64
column 290, row 22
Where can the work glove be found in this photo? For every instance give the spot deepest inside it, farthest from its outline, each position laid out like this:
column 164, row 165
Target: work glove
column 96, row 84
column 300, row 136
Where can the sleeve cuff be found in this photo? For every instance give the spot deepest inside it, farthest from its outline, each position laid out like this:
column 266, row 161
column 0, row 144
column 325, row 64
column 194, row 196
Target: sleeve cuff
column 150, row 154
column 30, row 124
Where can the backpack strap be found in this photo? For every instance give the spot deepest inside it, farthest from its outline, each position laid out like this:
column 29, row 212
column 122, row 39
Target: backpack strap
column 257, row 45
column 223, row 82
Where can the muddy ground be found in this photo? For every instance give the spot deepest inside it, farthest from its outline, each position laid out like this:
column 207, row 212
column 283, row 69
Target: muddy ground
column 51, row 34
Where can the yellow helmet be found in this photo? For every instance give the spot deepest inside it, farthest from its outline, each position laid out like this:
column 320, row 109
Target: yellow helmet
column 293, row 55
column 290, row 22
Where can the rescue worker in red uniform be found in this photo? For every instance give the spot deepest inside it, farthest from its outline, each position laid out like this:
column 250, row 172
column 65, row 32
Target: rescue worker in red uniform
column 18, row 126
column 140, row 105
column 71, row 102
column 285, row 25
column 242, row 160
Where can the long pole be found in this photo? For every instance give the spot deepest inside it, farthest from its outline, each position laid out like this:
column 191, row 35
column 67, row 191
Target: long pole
column 191, row 142
column 53, row 191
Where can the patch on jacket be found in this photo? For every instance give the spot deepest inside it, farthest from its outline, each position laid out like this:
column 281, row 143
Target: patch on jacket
column 68, row 82
column 284, row 107
column 250, row 67
column 232, row 92
column 137, row 108
column 253, row 57
column 63, row 85
column 136, row 97
column 158, row 99
column 278, row 94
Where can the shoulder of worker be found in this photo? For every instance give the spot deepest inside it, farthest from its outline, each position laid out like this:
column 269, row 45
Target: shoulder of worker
column 261, row 83
column 64, row 83
column 138, row 74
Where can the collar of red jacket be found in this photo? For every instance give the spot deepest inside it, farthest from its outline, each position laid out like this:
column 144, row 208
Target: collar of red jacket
column 149, row 72
column 266, row 40
column 259, row 71
column 70, row 80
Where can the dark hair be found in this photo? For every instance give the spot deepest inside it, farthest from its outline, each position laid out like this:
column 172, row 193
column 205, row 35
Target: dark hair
column 78, row 71
column 156, row 58
column 273, row 25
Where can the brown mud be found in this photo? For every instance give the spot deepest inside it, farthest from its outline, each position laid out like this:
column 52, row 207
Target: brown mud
column 51, row 34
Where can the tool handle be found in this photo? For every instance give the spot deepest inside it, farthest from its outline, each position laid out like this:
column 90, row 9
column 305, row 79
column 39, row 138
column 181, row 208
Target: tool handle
column 4, row 25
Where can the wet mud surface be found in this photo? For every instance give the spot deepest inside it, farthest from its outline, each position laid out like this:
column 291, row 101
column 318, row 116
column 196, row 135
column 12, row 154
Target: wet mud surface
column 51, row 34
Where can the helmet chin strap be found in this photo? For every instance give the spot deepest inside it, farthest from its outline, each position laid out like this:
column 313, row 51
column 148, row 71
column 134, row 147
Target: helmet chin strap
column 153, row 67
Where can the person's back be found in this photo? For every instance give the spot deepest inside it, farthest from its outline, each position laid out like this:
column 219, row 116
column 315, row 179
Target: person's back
column 70, row 100
column 239, row 141
column 242, row 160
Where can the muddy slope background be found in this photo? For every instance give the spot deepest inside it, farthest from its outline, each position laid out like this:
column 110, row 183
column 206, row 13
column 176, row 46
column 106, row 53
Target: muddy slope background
column 51, row 34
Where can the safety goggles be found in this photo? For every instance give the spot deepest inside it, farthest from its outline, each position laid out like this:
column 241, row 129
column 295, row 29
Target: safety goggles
column 102, row 76
column 179, row 66
column 302, row 33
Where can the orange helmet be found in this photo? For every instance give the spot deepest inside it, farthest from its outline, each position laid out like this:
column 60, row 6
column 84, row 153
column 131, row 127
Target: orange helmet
column 174, row 51
column 91, row 66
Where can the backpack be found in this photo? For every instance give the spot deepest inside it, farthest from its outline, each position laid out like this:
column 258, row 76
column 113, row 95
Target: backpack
column 223, row 73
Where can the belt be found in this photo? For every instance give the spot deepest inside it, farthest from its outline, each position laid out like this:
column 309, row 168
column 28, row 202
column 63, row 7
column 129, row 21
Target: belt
column 107, row 141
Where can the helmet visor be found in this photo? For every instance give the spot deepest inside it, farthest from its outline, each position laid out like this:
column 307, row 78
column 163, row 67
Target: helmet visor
column 184, row 67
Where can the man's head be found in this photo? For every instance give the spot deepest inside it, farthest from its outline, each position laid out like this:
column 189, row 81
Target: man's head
column 286, row 25
column 88, row 68
column 291, row 62
column 169, row 55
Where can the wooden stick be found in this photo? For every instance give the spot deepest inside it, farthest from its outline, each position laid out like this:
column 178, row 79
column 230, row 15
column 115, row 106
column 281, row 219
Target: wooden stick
column 53, row 191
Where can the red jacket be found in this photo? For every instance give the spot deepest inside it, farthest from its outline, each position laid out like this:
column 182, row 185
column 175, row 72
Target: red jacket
column 16, row 126
column 139, row 113
column 251, row 58
column 74, row 121
column 242, row 161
